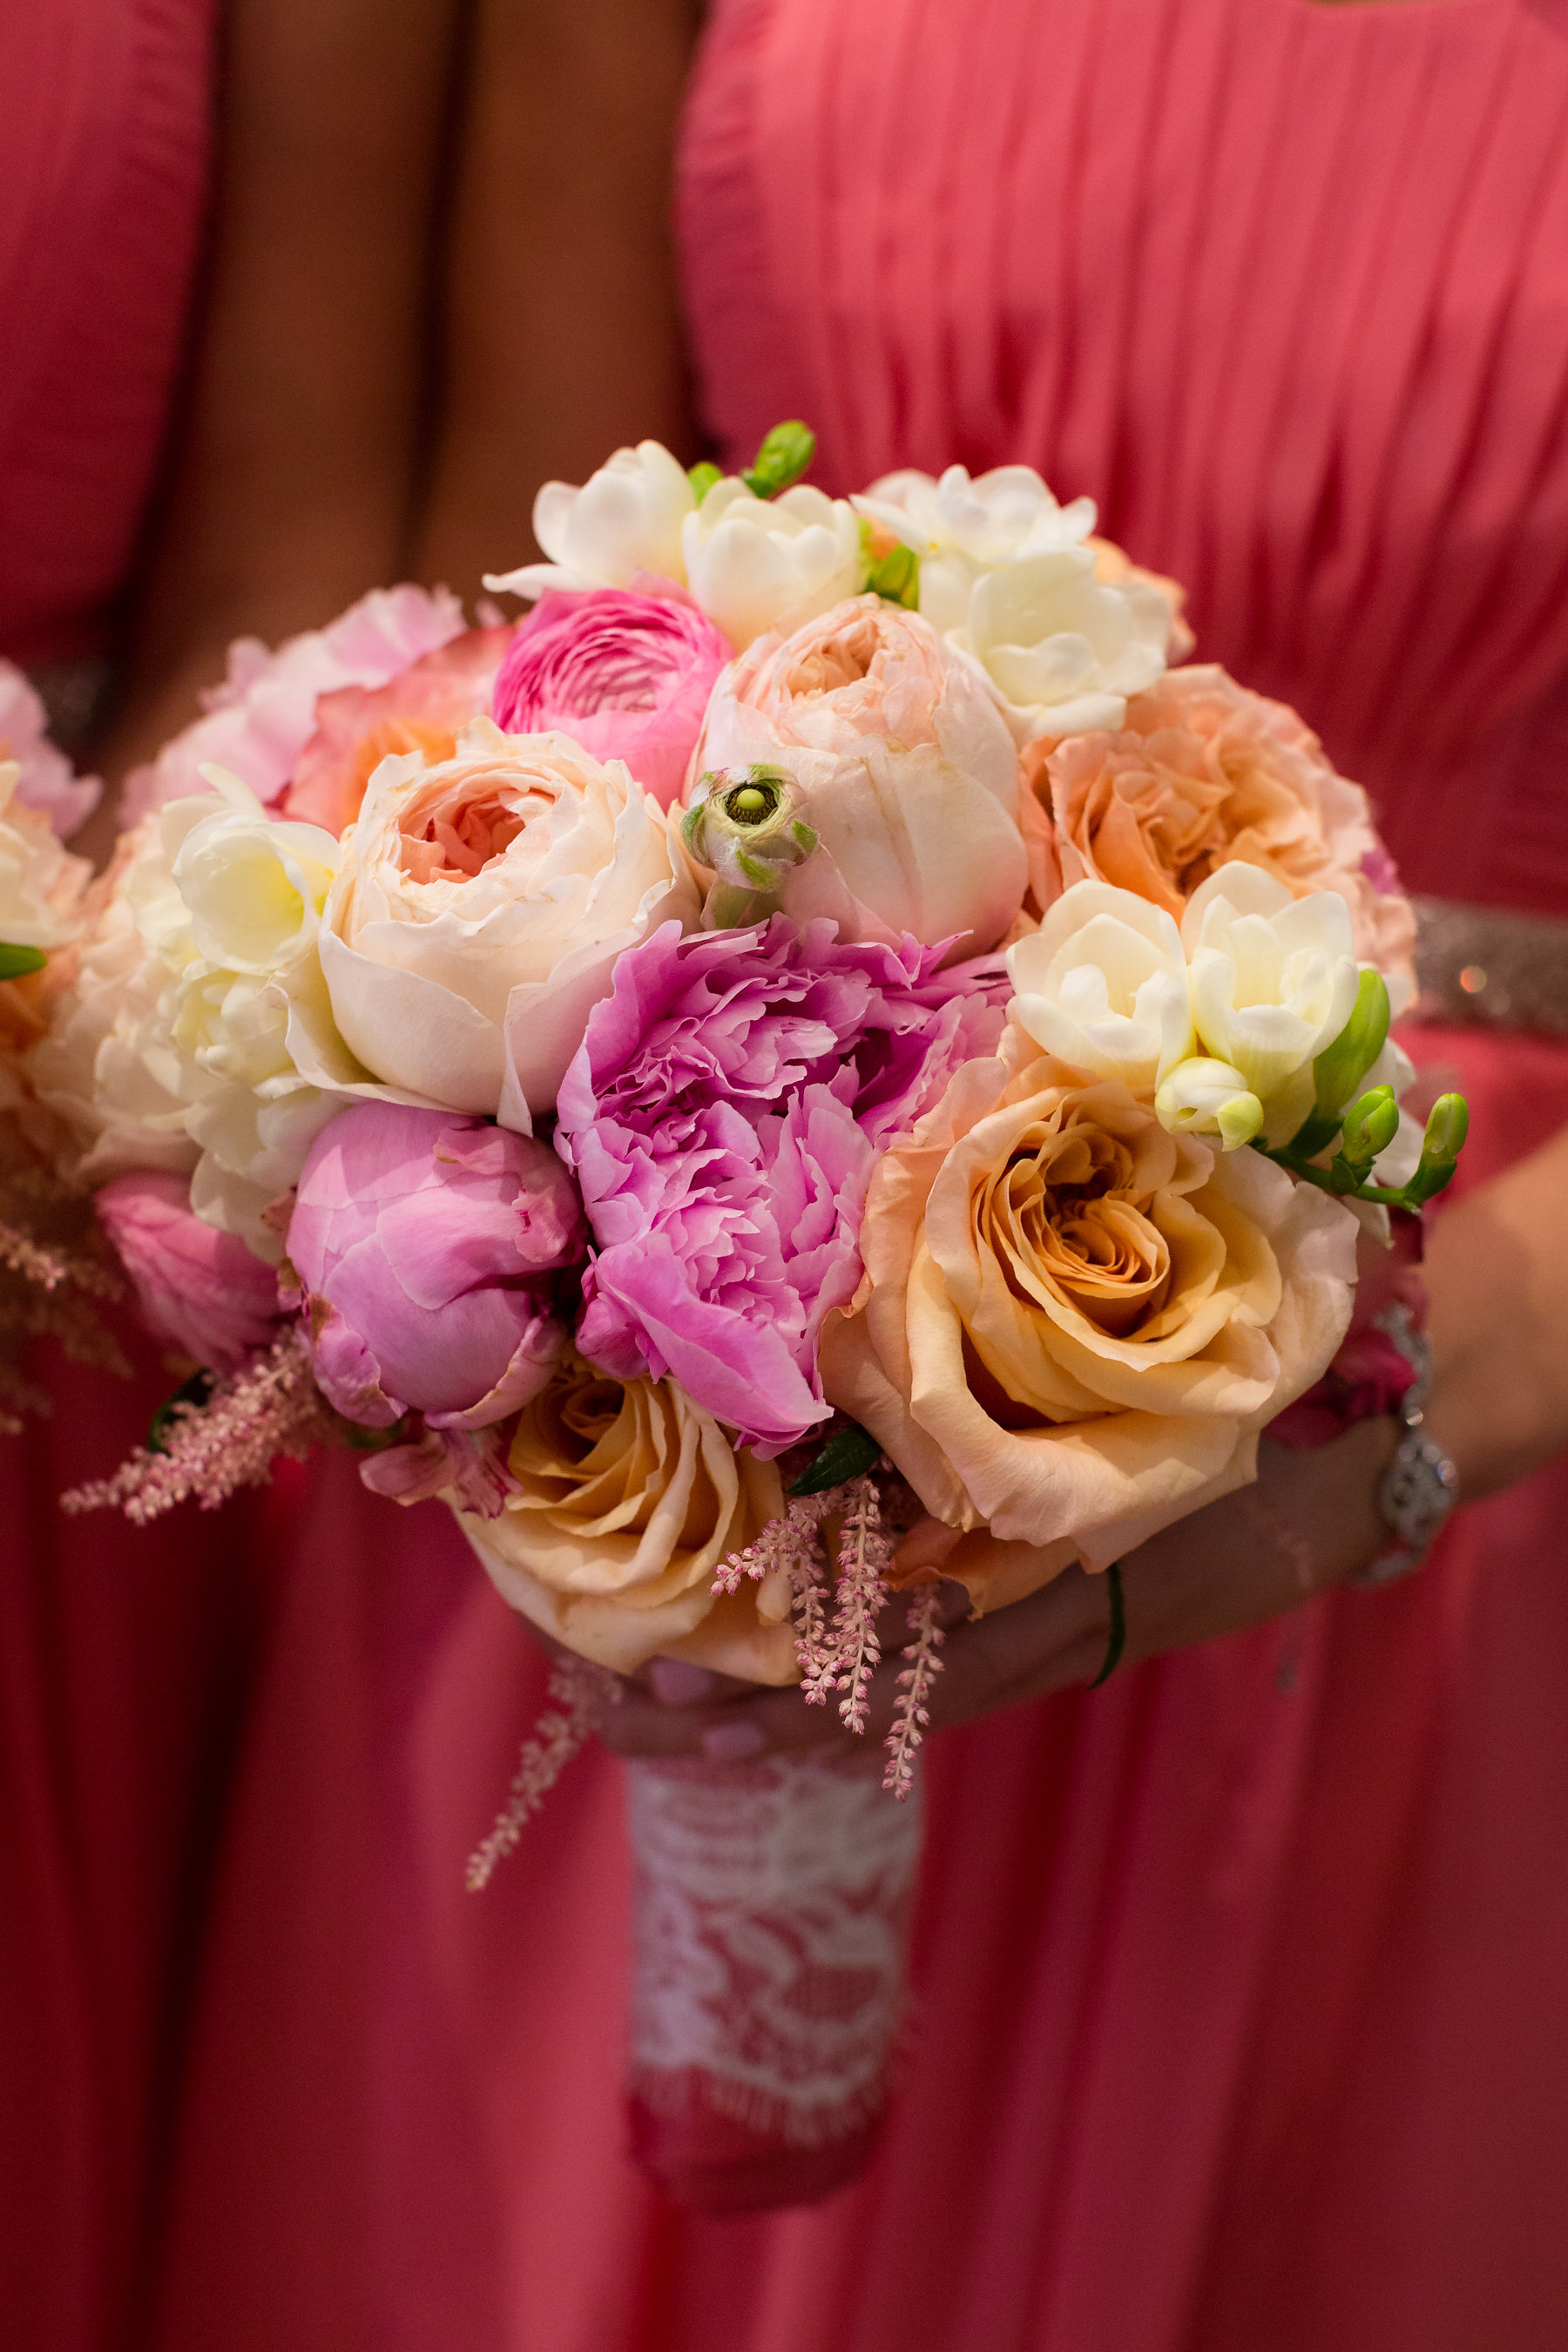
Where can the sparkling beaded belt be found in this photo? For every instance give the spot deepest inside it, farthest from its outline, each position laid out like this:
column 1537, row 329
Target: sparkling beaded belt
column 1487, row 967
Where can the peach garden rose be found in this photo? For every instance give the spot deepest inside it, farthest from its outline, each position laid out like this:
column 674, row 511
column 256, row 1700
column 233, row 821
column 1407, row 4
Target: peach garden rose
column 627, row 1499
column 1072, row 1324
column 1204, row 771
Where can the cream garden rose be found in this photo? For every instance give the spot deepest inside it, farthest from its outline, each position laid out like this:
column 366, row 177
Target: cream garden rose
column 908, row 776
column 628, row 1498
column 479, row 912
column 1072, row 1324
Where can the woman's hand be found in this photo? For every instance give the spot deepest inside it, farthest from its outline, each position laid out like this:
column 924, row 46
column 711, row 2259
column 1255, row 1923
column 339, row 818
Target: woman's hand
column 1311, row 1519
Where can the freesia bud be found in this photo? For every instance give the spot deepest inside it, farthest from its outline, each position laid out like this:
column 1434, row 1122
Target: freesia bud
column 1447, row 1124
column 746, row 823
column 1207, row 1098
column 783, row 457
column 1370, row 1127
column 702, row 478
column 1340, row 1067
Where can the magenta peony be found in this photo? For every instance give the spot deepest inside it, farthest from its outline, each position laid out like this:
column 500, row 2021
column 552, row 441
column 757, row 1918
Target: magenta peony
column 202, row 1290
column 424, row 1243
column 628, row 676
column 724, row 1115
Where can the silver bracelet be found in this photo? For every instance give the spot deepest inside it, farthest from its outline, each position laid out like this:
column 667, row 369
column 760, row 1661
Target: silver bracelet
column 1420, row 1486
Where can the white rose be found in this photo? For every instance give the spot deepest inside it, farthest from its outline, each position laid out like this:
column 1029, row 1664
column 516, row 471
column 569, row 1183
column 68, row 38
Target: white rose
column 755, row 564
column 40, row 883
column 961, row 526
column 625, row 520
column 479, row 911
column 1102, row 985
column 1061, row 651
column 1274, row 981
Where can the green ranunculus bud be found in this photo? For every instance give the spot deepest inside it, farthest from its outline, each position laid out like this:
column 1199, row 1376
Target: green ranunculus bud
column 17, row 961
column 702, row 478
column 785, row 455
column 746, row 824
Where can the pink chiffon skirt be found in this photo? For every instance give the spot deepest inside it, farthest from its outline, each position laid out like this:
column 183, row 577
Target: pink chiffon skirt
column 1239, row 2011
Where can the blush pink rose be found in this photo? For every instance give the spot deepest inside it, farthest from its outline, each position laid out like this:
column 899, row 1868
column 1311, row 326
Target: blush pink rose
column 259, row 722
column 1204, row 772
column 48, row 784
column 424, row 1246
column 421, row 709
column 909, row 775
column 626, row 675
column 200, row 1289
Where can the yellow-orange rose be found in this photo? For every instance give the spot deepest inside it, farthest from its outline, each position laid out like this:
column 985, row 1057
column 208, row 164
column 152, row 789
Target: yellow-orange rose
column 629, row 1498
column 1072, row 1325
column 1204, row 771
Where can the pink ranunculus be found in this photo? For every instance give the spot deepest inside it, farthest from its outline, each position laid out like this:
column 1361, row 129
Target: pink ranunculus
column 909, row 775
column 424, row 1243
column 46, row 782
column 627, row 676
column 202, row 1290
column 259, row 722
column 421, row 709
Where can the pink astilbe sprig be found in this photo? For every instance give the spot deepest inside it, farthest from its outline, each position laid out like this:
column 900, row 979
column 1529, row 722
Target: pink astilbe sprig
column 865, row 1556
column 54, row 1272
column 578, row 1688
column 911, row 1712
column 791, row 1545
column 270, row 1406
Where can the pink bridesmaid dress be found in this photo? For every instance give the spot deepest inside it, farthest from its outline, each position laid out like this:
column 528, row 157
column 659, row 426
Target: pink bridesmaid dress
column 1239, row 2014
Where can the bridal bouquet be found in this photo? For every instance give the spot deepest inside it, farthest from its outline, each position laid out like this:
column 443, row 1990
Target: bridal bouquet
column 830, row 1024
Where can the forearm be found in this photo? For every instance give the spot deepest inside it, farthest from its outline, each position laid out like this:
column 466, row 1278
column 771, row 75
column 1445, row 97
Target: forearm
column 1497, row 1275
column 562, row 335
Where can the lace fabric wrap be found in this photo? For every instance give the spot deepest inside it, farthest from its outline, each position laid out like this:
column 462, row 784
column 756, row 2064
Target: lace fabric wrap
column 770, row 1911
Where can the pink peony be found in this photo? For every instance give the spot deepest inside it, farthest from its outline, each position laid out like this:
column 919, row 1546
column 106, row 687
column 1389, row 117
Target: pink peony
column 423, row 1243
column 723, row 1117
column 202, row 1290
column 260, row 718
column 46, row 782
column 628, row 676
column 423, row 708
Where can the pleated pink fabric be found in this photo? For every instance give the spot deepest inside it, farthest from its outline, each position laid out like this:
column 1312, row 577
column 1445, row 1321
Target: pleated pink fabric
column 1240, row 2021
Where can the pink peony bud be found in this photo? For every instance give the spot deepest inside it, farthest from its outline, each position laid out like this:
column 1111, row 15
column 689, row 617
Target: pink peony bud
column 626, row 676
column 204, row 1290
column 424, row 1241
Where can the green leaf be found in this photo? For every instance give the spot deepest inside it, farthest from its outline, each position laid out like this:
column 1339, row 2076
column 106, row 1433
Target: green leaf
column 702, row 478
column 848, row 1454
column 783, row 457
column 193, row 1391
column 15, row 960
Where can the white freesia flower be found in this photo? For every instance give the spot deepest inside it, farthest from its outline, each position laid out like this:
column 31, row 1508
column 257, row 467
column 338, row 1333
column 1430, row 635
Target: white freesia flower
column 1274, row 981
column 479, row 911
column 755, row 564
column 40, row 883
column 625, row 520
column 961, row 526
column 252, row 886
column 1202, row 1097
column 1103, row 985
column 1061, row 651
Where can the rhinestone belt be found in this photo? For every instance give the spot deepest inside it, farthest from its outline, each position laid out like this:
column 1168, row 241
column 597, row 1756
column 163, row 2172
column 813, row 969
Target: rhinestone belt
column 1485, row 967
